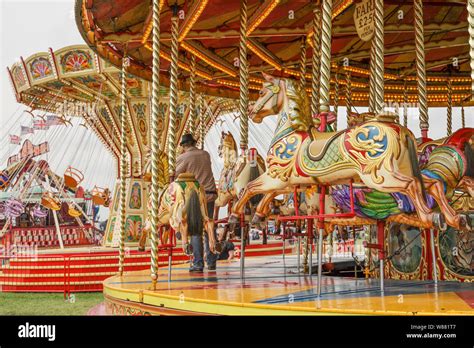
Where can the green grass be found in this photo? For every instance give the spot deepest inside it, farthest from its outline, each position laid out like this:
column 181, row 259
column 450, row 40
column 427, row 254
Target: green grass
column 47, row 303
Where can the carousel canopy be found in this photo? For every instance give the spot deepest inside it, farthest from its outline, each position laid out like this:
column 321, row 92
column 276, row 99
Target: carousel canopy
column 276, row 30
column 75, row 81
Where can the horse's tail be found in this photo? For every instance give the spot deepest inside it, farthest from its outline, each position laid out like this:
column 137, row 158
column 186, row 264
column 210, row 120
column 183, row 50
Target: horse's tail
column 449, row 164
column 415, row 165
column 194, row 214
column 254, row 174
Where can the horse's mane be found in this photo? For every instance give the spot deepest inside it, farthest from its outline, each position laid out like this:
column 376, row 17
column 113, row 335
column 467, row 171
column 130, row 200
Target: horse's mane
column 299, row 110
column 231, row 137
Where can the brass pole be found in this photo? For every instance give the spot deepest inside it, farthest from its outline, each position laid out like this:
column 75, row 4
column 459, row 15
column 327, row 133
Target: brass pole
column 348, row 96
column 463, row 117
column 449, row 126
column 303, row 64
column 378, row 43
column 421, row 68
column 405, row 103
column 243, row 76
column 202, row 120
column 155, row 143
column 123, row 163
column 316, row 58
column 336, row 97
column 192, row 97
column 325, row 79
column 372, row 77
column 173, row 96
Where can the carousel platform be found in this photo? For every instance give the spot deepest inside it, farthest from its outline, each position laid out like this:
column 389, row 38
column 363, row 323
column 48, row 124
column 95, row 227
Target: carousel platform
column 83, row 269
column 270, row 289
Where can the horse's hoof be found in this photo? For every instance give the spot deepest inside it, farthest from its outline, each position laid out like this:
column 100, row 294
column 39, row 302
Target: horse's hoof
column 439, row 222
column 233, row 219
column 188, row 249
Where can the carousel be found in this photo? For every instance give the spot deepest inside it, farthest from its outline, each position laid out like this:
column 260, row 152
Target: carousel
column 158, row 69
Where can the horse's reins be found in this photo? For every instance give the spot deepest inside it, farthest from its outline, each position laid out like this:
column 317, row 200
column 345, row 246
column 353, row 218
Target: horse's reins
column 274, row 89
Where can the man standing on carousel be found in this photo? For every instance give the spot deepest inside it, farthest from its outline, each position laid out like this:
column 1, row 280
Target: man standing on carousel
column 198, row 162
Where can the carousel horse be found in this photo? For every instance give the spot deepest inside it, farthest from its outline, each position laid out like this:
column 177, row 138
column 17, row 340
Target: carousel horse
column 377, row 154
column 182, row 205
column 450, row 166
column 238, row 171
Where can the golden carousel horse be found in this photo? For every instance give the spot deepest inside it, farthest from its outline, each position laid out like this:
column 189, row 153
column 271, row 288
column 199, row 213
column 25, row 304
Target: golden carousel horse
column 238, row 171
column 377, row 154
column 183, row 206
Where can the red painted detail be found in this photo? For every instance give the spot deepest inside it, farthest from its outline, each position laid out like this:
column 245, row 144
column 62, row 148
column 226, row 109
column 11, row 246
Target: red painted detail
column 372, row 246
column 460, row 137
column 303, row 135
column 53, row 273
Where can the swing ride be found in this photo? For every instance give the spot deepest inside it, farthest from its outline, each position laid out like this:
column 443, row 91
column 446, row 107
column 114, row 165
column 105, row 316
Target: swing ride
column 328, row 179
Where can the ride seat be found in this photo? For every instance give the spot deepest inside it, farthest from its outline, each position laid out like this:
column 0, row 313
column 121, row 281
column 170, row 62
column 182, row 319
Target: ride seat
column 186, row 177
column 318, row 146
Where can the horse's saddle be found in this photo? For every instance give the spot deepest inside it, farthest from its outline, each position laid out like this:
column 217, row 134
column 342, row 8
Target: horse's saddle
column 322, row 140
column 187, row 177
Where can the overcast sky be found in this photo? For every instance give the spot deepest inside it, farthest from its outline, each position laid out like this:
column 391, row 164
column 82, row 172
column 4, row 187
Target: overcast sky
column 31, row 26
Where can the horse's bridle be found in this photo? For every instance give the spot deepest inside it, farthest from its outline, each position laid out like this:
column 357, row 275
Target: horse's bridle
column 274, row 89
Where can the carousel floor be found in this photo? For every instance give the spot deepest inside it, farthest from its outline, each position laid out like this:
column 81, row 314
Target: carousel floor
column 267, row 290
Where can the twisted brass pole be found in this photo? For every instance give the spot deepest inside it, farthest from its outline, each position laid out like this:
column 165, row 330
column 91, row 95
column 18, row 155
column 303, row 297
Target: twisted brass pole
column 192, row 96
column 123, row 163
column 202, row 120
column 243, row 76
column 421, row 68
column 372, row 77
column 449, row 126
column 348, row 96
column 405, row 103
column 470, row 20
column 325, row 79
column 378, row 43
column 303, row 65
column 463, row 117
column 173, row 97
column 316, row 59
column 155, row 142
column 336, row 98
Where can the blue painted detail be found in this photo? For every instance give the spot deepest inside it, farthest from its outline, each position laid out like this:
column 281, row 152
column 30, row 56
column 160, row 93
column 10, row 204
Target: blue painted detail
column 368, row 288
column 373, row 132
column 433, row 175
column 289, row 150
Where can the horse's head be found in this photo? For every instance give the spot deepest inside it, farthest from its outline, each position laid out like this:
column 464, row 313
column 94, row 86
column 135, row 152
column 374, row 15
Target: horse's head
column 282, row 94
column 270, row 100
column 227, row 148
